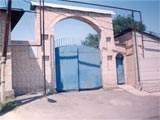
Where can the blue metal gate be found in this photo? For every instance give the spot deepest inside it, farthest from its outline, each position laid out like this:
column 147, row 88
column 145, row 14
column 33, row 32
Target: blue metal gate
column 77, row 68
column 120, row 69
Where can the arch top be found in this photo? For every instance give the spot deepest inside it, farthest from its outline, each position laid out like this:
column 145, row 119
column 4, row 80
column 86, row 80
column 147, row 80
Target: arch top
column 83, row 19
column 119, row 55
column 74, row 8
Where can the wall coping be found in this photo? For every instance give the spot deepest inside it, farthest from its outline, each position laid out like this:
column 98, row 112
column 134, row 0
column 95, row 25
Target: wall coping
column 75, row 8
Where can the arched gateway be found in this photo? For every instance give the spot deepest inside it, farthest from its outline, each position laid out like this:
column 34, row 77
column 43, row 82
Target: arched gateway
column 100, row 20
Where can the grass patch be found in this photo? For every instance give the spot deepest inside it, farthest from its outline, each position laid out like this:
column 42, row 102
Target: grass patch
column 1, row 105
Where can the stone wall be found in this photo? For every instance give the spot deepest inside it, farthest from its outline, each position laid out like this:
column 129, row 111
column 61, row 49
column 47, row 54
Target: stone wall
column 27, row 67
column 27, row 73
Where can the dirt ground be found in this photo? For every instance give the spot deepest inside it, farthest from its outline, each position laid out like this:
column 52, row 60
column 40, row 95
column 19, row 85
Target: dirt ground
column 115, row 104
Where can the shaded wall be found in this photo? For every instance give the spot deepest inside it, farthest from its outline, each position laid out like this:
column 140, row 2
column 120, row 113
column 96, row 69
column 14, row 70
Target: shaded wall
column 26, row 71
column 150, row 63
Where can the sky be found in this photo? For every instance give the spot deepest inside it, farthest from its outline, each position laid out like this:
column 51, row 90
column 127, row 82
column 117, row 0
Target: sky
column 25, row 28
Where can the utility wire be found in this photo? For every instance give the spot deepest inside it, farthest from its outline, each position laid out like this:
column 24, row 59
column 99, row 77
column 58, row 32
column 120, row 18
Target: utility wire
column 94, row 4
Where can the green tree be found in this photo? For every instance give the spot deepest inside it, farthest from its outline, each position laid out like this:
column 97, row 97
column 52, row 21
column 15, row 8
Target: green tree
column 121, row 23
column 91, row 40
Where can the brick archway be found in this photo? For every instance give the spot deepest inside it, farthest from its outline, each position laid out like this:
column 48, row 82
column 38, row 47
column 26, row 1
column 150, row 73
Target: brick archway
column 101, row 21
column 92, row 23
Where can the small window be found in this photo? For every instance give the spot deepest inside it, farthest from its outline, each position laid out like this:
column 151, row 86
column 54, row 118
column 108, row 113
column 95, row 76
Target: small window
column 108, row 39
column 33, row 52
column 109, row 57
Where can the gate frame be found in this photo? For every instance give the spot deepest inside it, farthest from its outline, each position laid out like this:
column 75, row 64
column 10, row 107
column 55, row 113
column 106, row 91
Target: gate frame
column 123, row 68
column 101, row 22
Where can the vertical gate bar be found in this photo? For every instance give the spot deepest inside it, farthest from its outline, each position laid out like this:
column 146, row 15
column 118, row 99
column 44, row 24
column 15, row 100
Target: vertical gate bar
column 78, row 69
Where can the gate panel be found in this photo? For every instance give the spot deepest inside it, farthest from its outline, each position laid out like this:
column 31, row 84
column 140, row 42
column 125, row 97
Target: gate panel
column 66, row 68
column 120, row 70
column 89, row 68
column 77, row 68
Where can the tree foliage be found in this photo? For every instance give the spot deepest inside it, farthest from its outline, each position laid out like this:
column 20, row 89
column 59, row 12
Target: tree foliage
column 91, row 40
column 121, row 23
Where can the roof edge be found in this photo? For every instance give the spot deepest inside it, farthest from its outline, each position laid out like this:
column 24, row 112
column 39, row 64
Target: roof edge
column 131, row 29
column 84, row 9
column 16, row 15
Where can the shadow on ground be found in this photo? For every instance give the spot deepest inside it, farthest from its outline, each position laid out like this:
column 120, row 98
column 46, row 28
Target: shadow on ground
column 14, row 104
